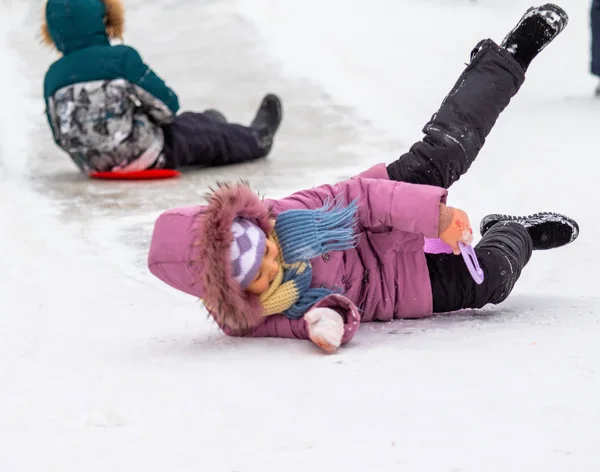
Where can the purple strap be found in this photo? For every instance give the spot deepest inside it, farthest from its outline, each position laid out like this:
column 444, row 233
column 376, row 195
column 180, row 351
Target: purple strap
column 470, row 258
column 437, row 246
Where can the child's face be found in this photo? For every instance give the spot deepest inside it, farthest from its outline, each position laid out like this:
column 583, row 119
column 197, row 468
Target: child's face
column 268, row 270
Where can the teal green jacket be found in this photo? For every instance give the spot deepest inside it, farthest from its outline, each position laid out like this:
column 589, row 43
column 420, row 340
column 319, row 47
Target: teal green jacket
column 78, row 31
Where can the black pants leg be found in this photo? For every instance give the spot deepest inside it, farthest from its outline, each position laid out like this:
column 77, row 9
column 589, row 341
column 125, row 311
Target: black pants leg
column 198, row 139
column 457, row 132
column 595, row 24
column 502, row 253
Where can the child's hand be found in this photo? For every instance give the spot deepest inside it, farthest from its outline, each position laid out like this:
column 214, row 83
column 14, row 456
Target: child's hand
column 325, row 328
column 457, row 228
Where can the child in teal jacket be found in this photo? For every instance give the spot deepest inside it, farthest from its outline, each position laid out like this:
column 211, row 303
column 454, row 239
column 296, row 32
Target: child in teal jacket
column 110, row 112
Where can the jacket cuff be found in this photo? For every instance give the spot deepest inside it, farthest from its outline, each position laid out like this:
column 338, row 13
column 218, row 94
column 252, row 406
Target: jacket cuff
column 348, row 311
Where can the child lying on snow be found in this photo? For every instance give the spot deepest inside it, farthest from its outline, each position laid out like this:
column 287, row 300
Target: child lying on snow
column 110, row 112
column 301, row 267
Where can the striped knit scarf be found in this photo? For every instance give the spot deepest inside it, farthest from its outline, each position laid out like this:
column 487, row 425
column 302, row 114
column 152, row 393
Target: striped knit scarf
column 300, row 236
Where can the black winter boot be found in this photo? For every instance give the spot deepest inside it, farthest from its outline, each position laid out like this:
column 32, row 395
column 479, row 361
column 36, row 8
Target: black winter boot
column 267, row 121
column 536, row 29
column 547, row 230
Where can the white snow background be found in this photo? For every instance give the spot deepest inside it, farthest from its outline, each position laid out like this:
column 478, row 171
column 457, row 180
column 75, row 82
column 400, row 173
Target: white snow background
column 103, row 368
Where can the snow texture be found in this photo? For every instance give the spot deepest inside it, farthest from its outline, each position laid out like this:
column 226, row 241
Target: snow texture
column 102, row 367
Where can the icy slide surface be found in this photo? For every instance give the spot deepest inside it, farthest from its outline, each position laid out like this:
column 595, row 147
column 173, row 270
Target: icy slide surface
column 103, row 368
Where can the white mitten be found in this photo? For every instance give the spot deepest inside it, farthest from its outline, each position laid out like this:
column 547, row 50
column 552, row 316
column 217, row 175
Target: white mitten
column 325, row 328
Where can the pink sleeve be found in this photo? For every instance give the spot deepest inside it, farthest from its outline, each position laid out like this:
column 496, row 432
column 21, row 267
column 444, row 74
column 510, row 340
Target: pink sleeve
column 347, row 309
column 280, row 326
column 406, row 207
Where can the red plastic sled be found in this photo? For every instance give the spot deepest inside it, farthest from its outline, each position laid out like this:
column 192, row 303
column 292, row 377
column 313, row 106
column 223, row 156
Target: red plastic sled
column 150, row 174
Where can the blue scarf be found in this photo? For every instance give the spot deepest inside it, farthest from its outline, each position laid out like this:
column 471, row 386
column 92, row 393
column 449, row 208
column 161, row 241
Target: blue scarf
column 306, row 234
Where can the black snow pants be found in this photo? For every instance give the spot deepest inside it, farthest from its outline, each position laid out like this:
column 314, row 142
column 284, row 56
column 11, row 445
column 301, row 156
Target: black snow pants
column 201, row 139
column 453, row 138
column 595, row 25
column 502, row 253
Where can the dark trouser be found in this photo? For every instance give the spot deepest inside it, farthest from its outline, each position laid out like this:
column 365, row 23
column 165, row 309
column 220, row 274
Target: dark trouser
column 196, row 139
column 456, row 133
column 503, row 252
column 453, row 138
column 595, row 24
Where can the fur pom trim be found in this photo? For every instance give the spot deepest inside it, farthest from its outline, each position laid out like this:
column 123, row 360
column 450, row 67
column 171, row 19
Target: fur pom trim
column 232, row 307
column 45, row 37
column 115, row 18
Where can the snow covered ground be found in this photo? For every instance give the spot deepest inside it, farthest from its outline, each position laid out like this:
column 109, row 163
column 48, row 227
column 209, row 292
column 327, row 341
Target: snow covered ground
column 103, row 368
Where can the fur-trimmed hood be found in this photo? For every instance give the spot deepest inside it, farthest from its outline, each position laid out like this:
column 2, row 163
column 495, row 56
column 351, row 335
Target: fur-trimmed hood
column 190, row 251
column 69, row 25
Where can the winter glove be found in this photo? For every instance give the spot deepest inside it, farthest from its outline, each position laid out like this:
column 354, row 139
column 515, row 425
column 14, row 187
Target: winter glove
column 325, row 328
column 454, row 227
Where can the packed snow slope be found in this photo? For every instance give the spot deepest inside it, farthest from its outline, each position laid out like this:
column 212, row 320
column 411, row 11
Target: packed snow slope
column 104, row 368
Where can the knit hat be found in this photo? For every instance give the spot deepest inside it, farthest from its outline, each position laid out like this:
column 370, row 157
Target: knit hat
column 247, row 251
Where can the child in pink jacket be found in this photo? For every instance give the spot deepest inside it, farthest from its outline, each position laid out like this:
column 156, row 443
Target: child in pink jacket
column 316, row 264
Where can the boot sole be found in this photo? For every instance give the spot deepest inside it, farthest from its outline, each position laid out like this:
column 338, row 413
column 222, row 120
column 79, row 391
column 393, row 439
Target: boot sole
column 549, row 10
